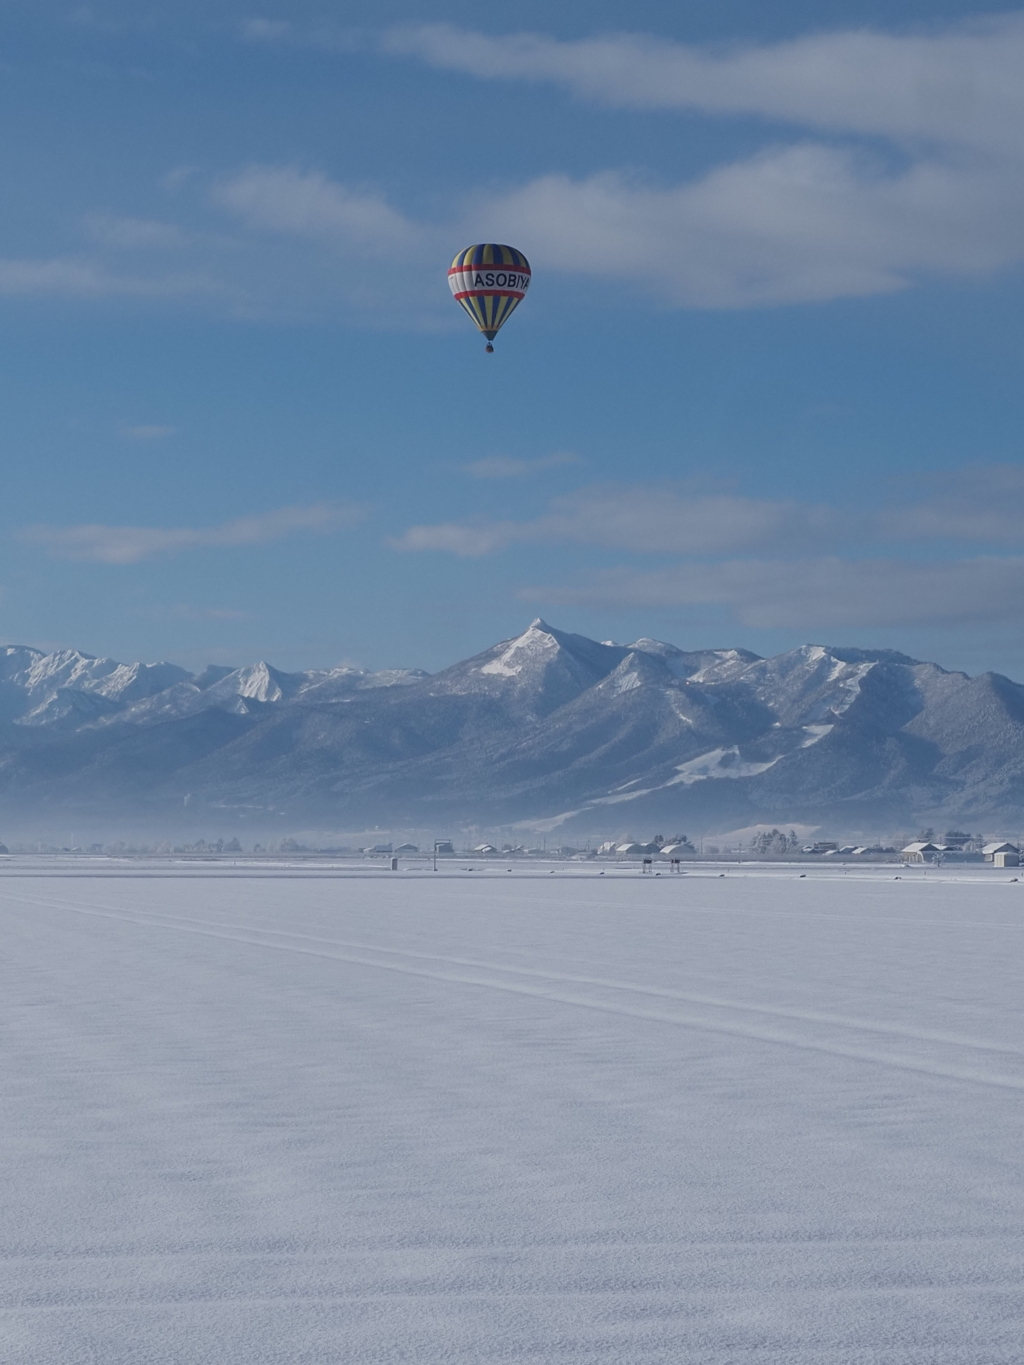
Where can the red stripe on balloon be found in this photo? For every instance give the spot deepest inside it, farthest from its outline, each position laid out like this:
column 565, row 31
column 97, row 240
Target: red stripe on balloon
column 489, row 293
column 475, row 269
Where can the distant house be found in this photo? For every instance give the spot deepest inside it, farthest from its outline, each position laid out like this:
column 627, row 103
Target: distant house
column 485, row 849
column 407, row 848
column 630, row 850
column 993, row 851
column 607, row 848
column 676, row 850
column 443, row 846
column 920, row 851
column 379, row 848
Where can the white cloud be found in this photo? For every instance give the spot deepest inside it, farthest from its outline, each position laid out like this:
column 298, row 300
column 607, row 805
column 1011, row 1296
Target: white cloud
column 980, row 504
column 307, row 204
column 962, row 86
column 639, row 518
column 329, row 36
column 797, row 224
column 803, row 222
column 507, row 467
column 469, row 541
column 131, row 544
column 133, row 234
column 976, row 505
column 814, row 591
column 266, row 30
column 908, row 163
column 70, row 278
column 813, row 594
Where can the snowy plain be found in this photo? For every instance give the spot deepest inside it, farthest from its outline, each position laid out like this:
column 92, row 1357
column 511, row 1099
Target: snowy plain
column 312, row 1114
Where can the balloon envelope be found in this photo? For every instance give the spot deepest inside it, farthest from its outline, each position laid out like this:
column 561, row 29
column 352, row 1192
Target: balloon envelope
column 490, row 281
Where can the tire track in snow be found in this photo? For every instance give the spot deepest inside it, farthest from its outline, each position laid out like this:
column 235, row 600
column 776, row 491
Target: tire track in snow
column 676, row 1019
column 604, row 983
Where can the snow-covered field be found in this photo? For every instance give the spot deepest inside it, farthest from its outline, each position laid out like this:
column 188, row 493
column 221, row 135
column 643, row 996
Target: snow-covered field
column 311, row 1114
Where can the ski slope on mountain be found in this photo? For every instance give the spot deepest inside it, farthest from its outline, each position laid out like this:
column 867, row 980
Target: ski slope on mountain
column 258, row 1116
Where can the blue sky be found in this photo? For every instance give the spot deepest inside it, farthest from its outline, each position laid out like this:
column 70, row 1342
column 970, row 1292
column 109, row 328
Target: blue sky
column 766, row 388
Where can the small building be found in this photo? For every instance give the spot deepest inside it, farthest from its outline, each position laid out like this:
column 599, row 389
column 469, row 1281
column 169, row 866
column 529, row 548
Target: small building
column 1006, row 860
column 485, row 849
column 443, row 846
column 629, row 850
column 676, row 850
column 407, row 848
column 992, row 851
column 378, row 848
column 920, row 851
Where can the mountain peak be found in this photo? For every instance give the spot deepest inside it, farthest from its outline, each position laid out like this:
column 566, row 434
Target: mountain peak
column 518, row 652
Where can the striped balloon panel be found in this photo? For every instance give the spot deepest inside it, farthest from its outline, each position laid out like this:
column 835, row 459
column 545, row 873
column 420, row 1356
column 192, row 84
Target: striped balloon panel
column 489, row 311
column 491, row 254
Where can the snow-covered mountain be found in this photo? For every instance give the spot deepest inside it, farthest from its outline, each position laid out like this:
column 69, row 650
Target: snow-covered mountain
column 548, row 729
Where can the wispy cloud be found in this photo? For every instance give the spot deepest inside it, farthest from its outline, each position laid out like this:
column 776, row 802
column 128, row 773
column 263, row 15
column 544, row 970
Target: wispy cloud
column 186, row 612
column 814, row 594
column 460, row 538
column 134, row 234
column 978, row 505
column 799, row 224
column 961, row 85
column 802, row 222
column 132, row 544
column 286, row 199
column 806, row 585
column 507, row 467
column 637, row 518
column 887, row 158
column 329, row 36
column 266, row 30
column 71, row 278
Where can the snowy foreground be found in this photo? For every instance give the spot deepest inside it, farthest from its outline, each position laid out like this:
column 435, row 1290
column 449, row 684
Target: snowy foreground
column 317, row 1114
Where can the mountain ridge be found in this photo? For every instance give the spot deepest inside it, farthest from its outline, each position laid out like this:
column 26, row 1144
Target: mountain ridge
column 546, row 729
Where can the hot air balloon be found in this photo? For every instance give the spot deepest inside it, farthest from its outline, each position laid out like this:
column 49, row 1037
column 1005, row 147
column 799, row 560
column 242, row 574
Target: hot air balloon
column 489, row 281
